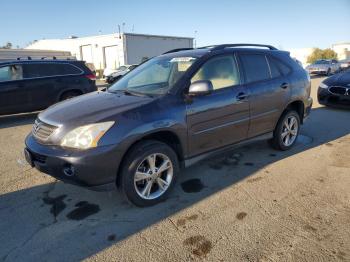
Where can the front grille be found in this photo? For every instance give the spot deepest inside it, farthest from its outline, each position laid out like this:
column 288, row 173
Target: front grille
column 339, row 90
column 42, row 131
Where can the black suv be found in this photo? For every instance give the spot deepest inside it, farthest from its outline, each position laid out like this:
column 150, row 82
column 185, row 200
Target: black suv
column 170, row 112
column 30, row 85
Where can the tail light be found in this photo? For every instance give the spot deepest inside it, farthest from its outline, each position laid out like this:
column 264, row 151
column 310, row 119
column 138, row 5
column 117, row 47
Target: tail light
column 91, row 77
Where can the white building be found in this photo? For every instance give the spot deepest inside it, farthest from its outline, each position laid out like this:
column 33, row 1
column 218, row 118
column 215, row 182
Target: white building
column 343, row 50
column 114, row 50
column 301, row 54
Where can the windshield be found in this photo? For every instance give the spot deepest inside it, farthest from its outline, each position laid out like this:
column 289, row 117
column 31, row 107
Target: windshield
column 154, row 77
column 321, row 62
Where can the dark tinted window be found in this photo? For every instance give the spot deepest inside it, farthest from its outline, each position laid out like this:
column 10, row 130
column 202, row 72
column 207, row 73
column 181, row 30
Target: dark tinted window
column 282, row 67
column 49, row 69
column 275, row 71
column 255, row 67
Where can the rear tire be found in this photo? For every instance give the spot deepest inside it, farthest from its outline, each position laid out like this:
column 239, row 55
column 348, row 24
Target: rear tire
column 148, row 173
column 287, row 130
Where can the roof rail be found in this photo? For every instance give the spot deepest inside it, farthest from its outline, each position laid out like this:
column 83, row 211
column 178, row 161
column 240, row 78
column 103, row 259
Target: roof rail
column 177, row 50
column 220, row 47
column 27, row 57
column 53, row 57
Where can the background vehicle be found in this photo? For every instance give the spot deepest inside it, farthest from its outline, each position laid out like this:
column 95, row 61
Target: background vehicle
column 169, row 112
column 335, row 90
column 32, row 85
column 344, row 64
column 119, row 73
column 324, row 67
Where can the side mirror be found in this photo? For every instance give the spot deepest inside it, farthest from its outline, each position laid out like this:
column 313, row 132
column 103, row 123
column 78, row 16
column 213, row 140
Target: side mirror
column 200, row 88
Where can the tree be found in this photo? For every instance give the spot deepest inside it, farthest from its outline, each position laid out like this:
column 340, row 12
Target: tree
column 7, row 46
column 321, row 54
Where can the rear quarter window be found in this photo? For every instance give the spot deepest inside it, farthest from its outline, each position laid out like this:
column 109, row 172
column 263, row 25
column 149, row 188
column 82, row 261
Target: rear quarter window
column 255, row 67
column 277, row 67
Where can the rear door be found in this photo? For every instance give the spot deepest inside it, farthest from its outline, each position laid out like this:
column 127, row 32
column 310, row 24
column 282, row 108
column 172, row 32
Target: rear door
column 47, row 81
column 41, row 81
column 14, row 96
column 222, row 117
column 269, row 91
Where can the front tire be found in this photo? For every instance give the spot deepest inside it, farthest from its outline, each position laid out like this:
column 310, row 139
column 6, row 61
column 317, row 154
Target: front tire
column 287, row 130
column 149, row 173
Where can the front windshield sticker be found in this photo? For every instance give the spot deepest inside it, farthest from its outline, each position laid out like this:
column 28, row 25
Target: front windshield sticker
column 181, row 59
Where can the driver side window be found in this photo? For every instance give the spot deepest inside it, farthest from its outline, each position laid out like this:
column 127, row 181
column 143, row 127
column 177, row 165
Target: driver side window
column 221, row 71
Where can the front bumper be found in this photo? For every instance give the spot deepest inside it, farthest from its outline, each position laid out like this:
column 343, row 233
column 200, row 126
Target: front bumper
column 94, row 168
column 329, row 99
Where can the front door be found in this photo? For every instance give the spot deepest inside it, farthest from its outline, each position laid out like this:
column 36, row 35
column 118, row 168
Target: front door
column 222, row 117
column 14, row 96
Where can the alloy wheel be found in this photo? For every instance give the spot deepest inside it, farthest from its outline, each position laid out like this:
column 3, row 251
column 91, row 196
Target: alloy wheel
column 289, row 130
column 153, row 176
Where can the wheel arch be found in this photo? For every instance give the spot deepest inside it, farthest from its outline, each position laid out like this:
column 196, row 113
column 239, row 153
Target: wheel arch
column 296, row 105
column 75, row 90
column 167, row 137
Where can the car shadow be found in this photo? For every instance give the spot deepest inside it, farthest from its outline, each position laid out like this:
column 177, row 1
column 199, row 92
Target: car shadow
column 56, row 221
column 17, row 120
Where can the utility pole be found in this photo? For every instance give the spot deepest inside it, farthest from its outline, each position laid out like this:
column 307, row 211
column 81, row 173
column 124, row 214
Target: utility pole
column 195, row 38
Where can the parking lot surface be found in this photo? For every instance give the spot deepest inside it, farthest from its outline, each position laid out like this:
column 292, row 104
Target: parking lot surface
column 253, row 204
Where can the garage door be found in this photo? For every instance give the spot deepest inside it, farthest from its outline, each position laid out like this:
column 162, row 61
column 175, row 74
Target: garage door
column 111, row 57
column 86, row 53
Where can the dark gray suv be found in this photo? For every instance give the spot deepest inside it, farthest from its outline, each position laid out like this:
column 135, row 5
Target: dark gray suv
column 168, row 113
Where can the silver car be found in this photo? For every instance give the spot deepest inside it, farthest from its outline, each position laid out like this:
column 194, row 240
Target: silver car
column 324, row 67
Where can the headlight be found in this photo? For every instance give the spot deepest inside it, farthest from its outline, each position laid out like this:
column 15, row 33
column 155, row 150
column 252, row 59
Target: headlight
column 322, row 85
column 85, row 137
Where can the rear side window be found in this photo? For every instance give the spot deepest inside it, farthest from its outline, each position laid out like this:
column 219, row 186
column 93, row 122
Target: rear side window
column 284, row 69
column 221, row 71
column 48, row 69
column 255, row 67
column 10, row 73
column 275, row 71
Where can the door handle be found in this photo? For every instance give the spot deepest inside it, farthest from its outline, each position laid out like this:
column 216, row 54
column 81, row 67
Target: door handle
column 241, row 96
column 284, row 85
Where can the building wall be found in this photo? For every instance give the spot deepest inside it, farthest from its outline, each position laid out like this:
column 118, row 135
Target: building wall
column 139, row 47
column 301, row 54
column 114, row 50
column 342, row 50
column 77, row 46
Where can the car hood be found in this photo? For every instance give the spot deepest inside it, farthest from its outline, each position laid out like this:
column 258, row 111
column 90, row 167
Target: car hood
column 91, row 108
column 342, row 79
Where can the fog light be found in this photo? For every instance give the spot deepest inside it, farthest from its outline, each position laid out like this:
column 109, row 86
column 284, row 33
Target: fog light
column 68, row 170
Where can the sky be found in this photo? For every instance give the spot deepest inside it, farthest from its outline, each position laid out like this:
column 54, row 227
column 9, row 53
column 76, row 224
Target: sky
column 285, row 24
